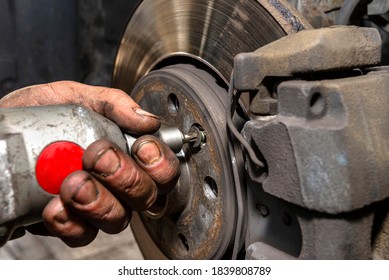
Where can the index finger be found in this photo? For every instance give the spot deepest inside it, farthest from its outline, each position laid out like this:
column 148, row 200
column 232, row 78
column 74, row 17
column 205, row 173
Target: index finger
column 112, row 103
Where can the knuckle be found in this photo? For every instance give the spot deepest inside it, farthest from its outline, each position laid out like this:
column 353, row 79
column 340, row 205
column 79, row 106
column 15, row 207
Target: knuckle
column 167, row 171
column 134, row 185
column 140, row 192
column 115, row 222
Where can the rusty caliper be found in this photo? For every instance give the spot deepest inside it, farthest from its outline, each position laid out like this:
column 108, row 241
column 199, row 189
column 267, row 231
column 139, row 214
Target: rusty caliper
column 319, row 127
column 295, row 150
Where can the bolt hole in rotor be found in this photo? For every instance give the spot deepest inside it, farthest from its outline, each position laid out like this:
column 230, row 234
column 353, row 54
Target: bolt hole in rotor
column 184, row 241
column 173, row 104
column 317, row 104
column 210, row 188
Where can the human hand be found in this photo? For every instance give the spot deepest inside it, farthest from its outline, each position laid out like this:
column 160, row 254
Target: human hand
column 112, row 184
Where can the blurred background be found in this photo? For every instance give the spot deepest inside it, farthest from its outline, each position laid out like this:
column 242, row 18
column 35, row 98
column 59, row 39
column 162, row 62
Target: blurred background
column 45, row 40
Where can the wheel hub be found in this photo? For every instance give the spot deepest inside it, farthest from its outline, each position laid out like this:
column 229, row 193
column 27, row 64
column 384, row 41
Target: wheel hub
column 197, row 219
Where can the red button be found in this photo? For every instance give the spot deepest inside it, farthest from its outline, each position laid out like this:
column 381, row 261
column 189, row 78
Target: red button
column 56, row 162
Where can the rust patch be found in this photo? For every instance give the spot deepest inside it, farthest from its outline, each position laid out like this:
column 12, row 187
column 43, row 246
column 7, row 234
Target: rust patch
column 286, row 16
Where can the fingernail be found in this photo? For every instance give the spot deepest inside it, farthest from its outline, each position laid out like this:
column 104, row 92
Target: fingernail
column 107, row 162
column 61, row 217
column 85, row 193
column 148, row 153
column 144, row 113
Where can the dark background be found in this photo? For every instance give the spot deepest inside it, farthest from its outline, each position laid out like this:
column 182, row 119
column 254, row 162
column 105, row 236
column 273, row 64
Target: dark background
column 49, row 40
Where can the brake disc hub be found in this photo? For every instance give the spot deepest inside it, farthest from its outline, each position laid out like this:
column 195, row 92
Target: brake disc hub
column 197, row 219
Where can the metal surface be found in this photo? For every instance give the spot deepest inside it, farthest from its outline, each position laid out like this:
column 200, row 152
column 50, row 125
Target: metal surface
column 197, row 219
column 341, row 116
column 308, row 51
column 162, row 32
column 327, row 160
column 174, row 138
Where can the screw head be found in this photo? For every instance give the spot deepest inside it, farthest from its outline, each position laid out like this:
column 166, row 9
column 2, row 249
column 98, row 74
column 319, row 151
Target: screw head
column 263, row 209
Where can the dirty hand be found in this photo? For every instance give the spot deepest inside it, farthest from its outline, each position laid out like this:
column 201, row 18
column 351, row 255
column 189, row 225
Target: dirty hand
column 112, row 184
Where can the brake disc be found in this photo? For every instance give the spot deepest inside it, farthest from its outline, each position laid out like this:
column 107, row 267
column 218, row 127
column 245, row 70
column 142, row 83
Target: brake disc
column 175, row 57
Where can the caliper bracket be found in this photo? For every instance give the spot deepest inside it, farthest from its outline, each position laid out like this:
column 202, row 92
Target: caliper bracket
column 326, row 49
